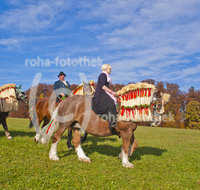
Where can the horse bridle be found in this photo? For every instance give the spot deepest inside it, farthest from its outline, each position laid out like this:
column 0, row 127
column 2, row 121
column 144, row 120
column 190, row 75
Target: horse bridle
column 154, row 103
column 20, row 95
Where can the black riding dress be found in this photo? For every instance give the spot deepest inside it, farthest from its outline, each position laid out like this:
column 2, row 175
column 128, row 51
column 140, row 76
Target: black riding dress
column 102, row 103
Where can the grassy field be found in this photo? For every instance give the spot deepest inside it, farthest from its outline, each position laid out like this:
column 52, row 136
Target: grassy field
column 165, row 159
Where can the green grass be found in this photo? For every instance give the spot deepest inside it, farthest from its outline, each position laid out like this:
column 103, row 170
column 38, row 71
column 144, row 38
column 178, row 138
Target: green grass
column 165, row 159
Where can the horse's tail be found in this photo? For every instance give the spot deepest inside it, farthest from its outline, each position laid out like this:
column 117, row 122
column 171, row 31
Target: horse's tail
column 48, row 130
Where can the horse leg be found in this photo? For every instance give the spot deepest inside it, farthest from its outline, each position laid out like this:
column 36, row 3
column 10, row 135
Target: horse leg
column 30, row 124
column 56, row 138
column 126, row 138
column 38, row 122
column 46, row 121
column 69, row 138
column 159, row 119
column 83, row 138
column 133, row 146
column 77, row 145
column 5, row 126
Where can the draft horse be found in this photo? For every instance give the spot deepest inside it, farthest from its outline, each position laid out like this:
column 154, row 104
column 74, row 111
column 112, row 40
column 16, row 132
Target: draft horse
column 76, row 112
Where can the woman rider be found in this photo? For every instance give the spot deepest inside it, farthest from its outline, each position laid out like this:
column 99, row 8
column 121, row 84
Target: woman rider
column 104, row 101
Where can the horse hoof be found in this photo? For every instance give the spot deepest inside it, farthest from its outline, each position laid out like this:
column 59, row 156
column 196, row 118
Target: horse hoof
column 86, row 159
column 9, row 137
column 54, row 157
column 42, row 140
column 70, row 147
column 36, row 138
column 128, row 165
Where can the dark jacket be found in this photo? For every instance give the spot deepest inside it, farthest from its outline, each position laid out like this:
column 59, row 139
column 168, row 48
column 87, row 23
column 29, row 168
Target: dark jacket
column 60, row 87
column 102, row 80
column 102, row 103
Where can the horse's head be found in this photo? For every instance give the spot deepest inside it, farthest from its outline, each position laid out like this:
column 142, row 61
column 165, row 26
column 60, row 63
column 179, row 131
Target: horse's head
column 88, row 88
column 157, row 106
column 159, row 101
column 20, row 95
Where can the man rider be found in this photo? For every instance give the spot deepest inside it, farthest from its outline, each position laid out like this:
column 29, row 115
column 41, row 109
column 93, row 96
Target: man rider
column 62, row 90
column 61, row 87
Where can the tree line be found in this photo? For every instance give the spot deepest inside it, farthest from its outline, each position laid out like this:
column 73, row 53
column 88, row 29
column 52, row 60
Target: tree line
column 182, row 111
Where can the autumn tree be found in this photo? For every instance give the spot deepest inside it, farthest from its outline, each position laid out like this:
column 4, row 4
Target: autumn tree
column 150, row 81
column 160, row 87
column 192, row 115
column 193, row 95
column 175, row 103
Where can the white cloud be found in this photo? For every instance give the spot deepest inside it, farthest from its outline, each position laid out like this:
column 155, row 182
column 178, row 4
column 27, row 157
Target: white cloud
column 34, row 16
column 190, row 71
column 155, row 38
column 150, row 24
column 9, row 41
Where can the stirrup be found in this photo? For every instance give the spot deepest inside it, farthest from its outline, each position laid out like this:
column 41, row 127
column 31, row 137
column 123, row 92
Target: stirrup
column 113, row 124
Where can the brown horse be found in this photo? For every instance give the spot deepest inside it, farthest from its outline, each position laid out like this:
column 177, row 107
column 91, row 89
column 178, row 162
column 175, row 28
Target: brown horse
column 76, row 112
column 42, row 111
column 42, row 114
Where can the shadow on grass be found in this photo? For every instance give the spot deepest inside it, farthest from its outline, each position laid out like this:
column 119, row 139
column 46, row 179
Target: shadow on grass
column 88, row 149
column 146, row 150
column 113, row 151
column 18, row 133
column 109, row 150
column 95, row 140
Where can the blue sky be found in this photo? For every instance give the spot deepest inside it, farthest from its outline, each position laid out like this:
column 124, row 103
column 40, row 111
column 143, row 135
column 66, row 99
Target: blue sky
column 149, row 39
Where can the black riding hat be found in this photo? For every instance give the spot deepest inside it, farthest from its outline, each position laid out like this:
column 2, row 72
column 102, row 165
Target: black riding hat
column 62, row 73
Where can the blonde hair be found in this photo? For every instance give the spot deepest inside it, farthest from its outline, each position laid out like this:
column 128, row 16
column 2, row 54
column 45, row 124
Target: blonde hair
column 105, row 66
